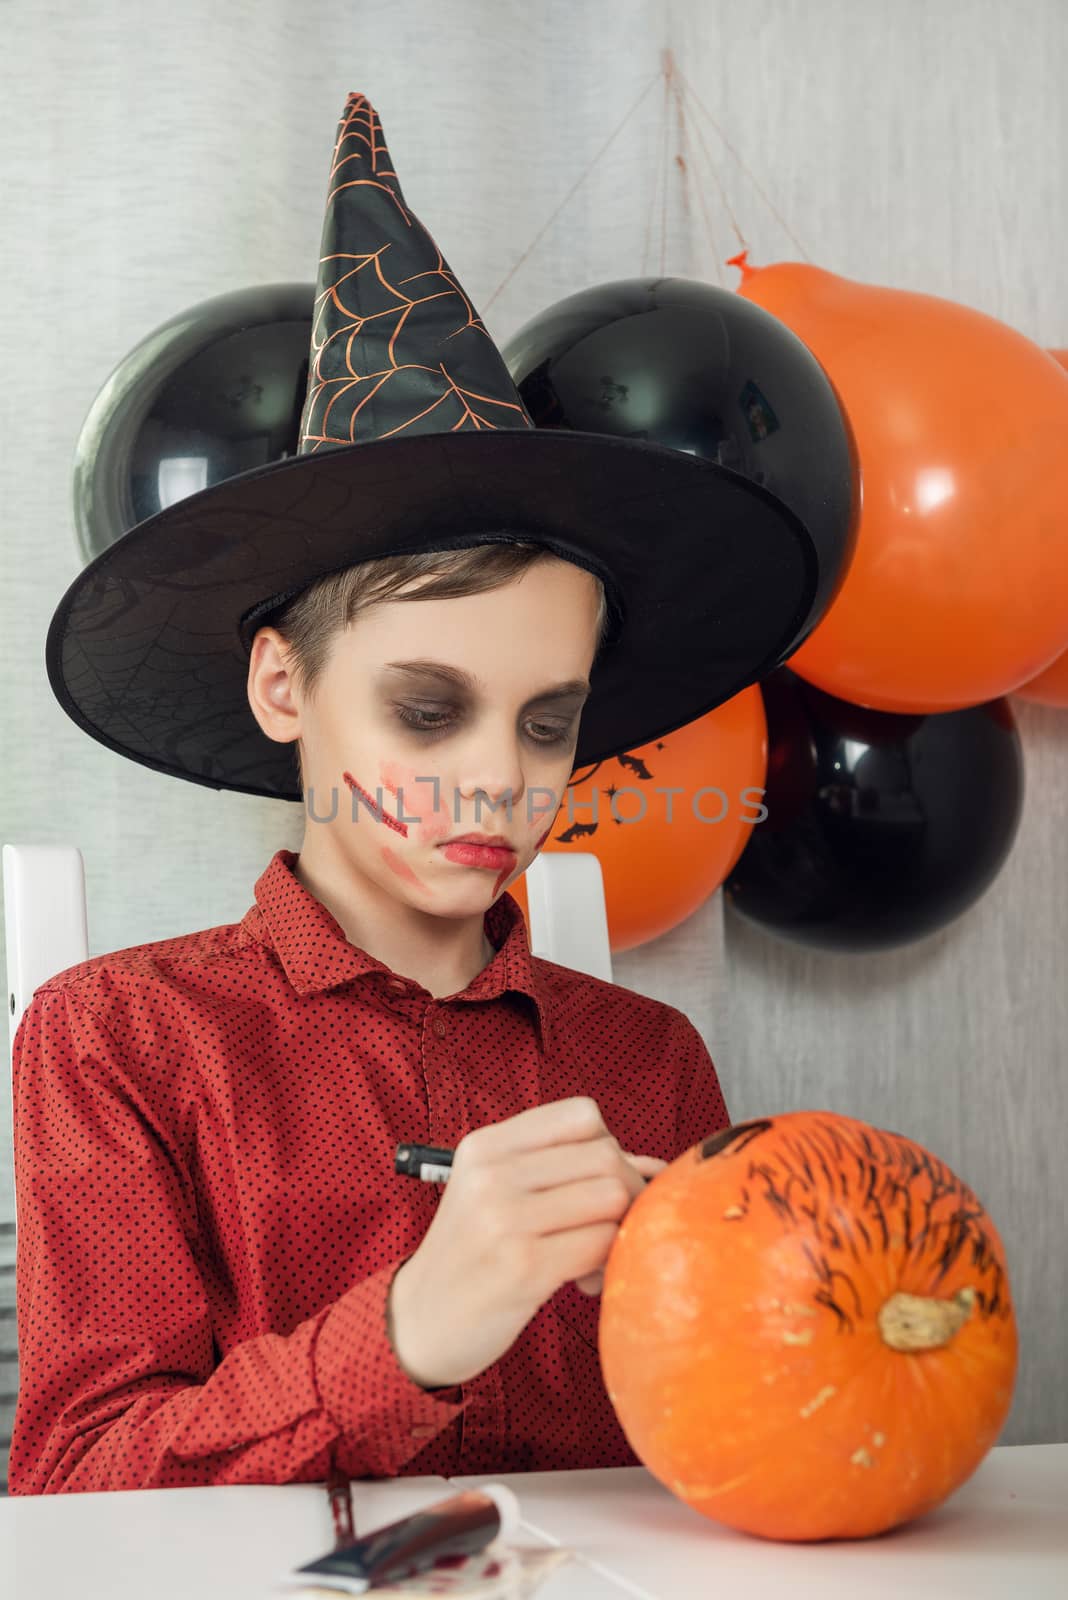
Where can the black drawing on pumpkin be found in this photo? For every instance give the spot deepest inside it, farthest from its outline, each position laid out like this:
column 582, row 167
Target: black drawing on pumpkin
column 747, row 1131
column 849, row 1185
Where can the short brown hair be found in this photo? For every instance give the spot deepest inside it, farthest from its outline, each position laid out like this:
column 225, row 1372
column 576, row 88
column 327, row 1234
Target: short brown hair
column 310, row 621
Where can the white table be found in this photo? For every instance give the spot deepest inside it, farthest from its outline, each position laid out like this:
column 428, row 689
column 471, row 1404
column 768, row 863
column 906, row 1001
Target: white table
column 1004, row 1532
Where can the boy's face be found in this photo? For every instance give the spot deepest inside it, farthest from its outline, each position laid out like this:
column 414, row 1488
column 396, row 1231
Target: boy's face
column 401, row 758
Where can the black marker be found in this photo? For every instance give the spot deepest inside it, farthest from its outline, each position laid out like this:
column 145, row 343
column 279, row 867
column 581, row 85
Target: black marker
column 425, row 1161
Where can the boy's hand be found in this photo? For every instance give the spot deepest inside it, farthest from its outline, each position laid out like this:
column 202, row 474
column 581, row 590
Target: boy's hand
column 532, row 1203
column 648, row 1166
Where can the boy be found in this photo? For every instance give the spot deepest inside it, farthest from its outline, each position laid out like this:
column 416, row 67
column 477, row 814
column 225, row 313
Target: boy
column 206, row 1126
column 220, row 1279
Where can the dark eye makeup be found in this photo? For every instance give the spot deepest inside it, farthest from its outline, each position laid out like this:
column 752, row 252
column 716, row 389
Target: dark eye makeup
column 431, row 722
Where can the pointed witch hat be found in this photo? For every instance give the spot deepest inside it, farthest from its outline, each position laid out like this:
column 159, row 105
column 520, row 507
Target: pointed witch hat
column 414, row 438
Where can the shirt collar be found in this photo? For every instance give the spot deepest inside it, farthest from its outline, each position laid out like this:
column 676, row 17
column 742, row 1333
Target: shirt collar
column 315, row 954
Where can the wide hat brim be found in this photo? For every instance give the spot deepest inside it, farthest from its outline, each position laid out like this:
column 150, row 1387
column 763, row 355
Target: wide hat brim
column 148, row 650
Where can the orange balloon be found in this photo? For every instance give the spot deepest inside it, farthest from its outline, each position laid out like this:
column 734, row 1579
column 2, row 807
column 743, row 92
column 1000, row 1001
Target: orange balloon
column 1050, row 688
column 662, row 854
column 958, row 588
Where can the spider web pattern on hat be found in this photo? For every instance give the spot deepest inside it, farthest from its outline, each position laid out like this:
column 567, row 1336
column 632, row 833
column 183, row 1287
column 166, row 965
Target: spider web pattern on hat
column 377, row 320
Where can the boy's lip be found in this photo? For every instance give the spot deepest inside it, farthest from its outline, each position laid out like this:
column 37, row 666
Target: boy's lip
column 496, row 839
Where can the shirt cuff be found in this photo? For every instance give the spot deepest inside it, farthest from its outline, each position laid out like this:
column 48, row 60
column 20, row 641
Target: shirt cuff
column 364, row 1387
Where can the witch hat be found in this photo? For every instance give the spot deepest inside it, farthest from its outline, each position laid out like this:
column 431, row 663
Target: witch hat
column 414, row 438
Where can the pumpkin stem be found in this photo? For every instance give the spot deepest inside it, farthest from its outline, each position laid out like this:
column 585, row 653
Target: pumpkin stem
column 918, row 1322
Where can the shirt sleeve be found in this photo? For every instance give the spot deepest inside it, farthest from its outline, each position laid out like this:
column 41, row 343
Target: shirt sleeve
column 120, row 1382
column 700, row 1108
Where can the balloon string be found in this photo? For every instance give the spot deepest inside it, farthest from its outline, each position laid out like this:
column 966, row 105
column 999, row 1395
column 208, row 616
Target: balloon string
column 667, row 67
column 686, row 169
column 676, row 85
column 579, row 181
column 667, row 64
column 684, row 164
column 658, row 176
column 696, row 99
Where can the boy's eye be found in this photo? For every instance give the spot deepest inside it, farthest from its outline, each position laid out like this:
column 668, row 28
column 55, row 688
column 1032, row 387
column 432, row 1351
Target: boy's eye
column 425, row 721
column 415, row 717
column 550, row 733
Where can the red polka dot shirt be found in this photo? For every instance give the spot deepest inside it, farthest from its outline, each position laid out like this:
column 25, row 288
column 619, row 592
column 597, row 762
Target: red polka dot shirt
column 208, row 1219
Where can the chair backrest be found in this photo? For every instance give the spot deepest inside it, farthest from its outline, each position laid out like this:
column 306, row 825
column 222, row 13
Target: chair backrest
column 568, row 919
column 44, row 919
column 46, row 927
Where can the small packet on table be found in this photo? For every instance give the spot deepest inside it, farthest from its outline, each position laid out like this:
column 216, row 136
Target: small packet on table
column 496, row 1573
column 458, row 1546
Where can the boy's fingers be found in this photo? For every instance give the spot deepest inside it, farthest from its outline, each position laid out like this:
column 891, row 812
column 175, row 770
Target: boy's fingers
column 648, row 1166
column 539, row 1127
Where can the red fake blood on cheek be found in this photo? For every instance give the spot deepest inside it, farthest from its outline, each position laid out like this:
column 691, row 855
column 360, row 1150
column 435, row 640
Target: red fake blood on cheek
column 401, row 868
column 501, row 876
column 395, row 862
column 375, row 809
column 418, row 793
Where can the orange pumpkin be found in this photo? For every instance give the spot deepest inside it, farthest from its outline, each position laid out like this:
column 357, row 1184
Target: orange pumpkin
column 806, row 1328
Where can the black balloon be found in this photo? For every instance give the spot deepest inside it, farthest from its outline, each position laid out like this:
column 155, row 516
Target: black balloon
column 215, row 391
column 697, row 368
column 881, row 828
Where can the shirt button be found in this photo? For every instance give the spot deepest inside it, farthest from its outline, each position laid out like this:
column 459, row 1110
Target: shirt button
column 397, row 983
column 439, row 1026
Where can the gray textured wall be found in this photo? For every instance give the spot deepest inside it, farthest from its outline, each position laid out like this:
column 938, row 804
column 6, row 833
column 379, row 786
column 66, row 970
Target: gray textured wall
column 155, row 154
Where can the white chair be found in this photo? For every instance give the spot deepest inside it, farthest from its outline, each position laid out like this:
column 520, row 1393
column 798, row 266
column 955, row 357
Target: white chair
column 44, row 919
column 568, row 920
column 46, row 929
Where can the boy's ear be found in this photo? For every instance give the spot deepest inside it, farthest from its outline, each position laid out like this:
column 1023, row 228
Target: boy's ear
column 270, row 688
